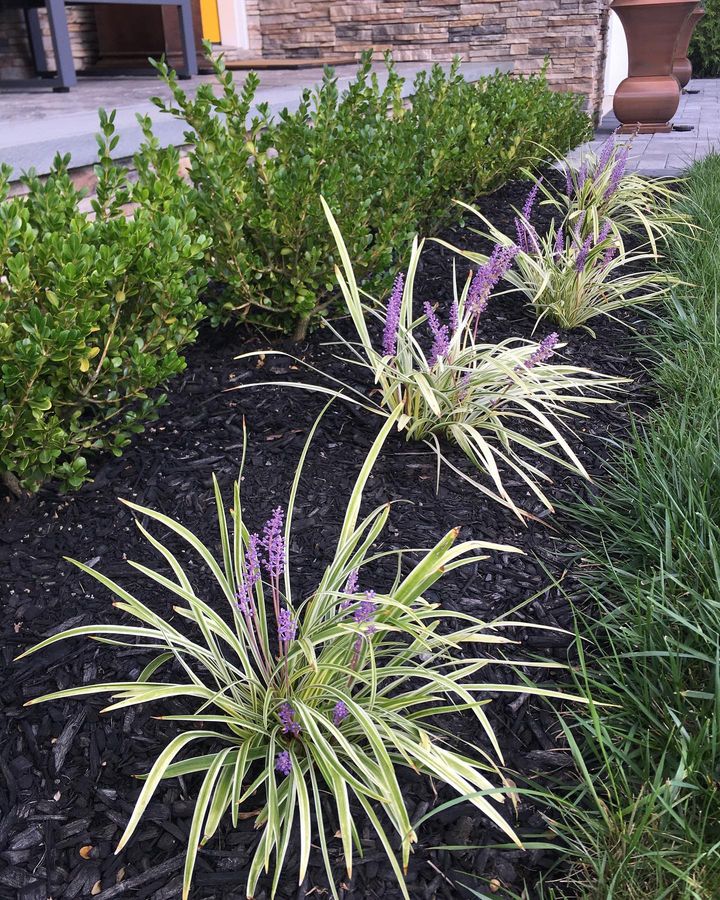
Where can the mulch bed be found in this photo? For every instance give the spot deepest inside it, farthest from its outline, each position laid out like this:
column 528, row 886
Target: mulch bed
column 65, row 770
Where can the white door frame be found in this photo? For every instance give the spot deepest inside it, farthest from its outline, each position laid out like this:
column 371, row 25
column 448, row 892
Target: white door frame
column 232, row 15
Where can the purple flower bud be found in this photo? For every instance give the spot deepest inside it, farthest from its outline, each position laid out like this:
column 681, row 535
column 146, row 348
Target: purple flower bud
column 283, row 763
column 608, row 256
column 392, row 317
column 569, row 184
column 286, row 714
column 441, row 336
column 464, row 386
column 559, row 248
column 244, row 600
column 365, row 613
column 351, row 587
column 274, row 544
column 367, row 609
column 340, row 712
column 544, row 350
column 287, row 626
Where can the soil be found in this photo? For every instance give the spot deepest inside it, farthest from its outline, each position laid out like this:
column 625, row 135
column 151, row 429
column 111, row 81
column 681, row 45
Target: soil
column 66, row 789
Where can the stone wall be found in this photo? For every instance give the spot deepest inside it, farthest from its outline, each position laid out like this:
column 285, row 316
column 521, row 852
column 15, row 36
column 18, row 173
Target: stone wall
column 15, row 57
column 522, row 31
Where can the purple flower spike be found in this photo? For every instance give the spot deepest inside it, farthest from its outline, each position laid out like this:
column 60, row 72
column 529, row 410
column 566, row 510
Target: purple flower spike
column 569, row 183
column 544, row 351
column 487, row 277
column 441, row 336
column 340, row 712
column 252, row 560
column 577, row 231
column 283, row 763
column 582, row 256
column 582, row 175
column 287, row 626
column 559, row 248
column 351, row 585
column 617, row 173
column 604, row 232
column 392, row 317
column 454, row 317
column 286, row 714
column 274, row 544
column 531, row 198
column 606, row 152
column 526, row 234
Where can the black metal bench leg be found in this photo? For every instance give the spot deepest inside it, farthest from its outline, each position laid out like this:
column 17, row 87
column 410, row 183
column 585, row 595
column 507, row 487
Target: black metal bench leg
column 37, row 48
column 187, row 37
column 57, row 16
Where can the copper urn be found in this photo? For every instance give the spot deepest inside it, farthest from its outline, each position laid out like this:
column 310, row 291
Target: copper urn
column 682, row 67
column 648, row 98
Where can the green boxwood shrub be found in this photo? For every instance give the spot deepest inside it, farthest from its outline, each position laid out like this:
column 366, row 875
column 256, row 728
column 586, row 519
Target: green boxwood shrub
column 94, row 308
column 705, row 45
column 387, row 168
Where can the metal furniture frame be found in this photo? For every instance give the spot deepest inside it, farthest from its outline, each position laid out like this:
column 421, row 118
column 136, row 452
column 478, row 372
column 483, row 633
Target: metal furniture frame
column 65, row 76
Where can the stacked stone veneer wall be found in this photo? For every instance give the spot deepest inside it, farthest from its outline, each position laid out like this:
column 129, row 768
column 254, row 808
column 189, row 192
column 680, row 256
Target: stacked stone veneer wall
column 15, row 57
column 524, row 32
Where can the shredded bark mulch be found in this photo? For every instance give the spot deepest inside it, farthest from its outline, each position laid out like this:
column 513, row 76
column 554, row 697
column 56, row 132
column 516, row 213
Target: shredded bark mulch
column 66, row 786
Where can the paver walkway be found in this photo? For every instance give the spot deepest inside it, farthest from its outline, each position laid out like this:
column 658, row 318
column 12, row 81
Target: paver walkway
column 670, row 154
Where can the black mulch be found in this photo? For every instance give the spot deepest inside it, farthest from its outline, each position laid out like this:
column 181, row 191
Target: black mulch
column 65, row 770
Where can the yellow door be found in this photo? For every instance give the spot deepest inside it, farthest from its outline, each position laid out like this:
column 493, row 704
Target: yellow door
column 210, row 21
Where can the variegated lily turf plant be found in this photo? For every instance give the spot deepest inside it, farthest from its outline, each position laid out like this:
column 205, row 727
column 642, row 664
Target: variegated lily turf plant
column 577, row 270
column 602, row 190
column 491, row 399
column 290, row 698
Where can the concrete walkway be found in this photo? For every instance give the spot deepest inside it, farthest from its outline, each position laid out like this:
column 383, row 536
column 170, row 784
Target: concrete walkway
column 36, row 124
column 670, row 154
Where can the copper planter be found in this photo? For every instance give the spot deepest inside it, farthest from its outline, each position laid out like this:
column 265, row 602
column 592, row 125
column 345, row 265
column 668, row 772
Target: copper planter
column 648, row 98
column 682, row 67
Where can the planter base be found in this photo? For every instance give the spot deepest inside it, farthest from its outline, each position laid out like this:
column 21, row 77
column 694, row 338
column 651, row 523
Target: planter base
column 646, row 128
column 648, row 102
